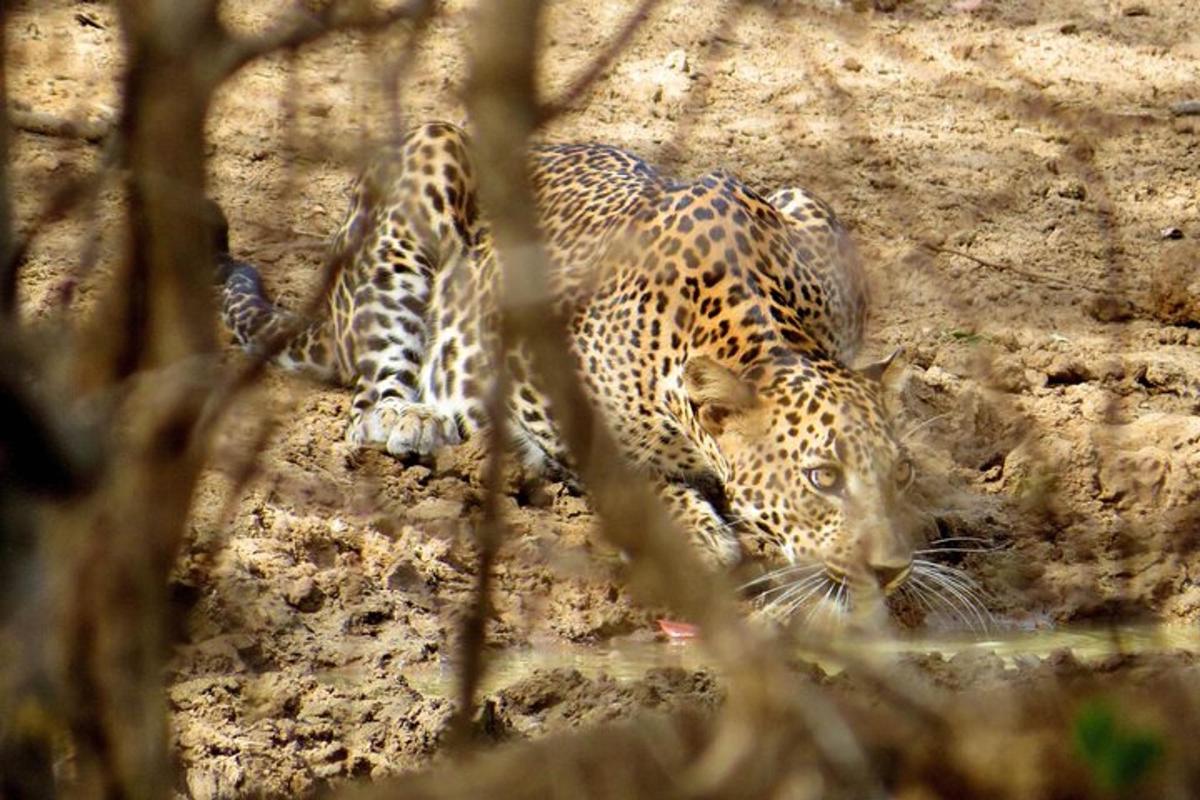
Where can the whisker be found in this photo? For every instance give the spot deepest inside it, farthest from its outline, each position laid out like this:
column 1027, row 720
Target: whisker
column 792, row 589
column 922, row 425
column 931, row 592
column 945, row 568
column 935, row 550
column 971, row 590
column 963, row 540
column 959, row 585
column 800, row 597
column 791, row 569
column 818, row 604
column 919, row 593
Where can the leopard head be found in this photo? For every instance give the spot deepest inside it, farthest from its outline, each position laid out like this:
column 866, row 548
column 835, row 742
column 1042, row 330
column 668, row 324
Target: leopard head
column 817, row 477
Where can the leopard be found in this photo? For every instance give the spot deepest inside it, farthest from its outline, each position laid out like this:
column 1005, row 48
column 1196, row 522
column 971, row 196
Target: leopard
column 714, row 329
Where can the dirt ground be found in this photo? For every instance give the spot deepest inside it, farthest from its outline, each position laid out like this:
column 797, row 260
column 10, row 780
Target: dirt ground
column 1026, row 205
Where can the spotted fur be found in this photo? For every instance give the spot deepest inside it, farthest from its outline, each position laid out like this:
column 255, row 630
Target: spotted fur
column 712, row 327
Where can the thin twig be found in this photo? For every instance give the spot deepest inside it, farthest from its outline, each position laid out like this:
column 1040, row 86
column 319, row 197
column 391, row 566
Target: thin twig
column 1001, row 267
column 586, row 80
column 672, row 150
column 8, row 260
column 306, row 28
column 46, row 124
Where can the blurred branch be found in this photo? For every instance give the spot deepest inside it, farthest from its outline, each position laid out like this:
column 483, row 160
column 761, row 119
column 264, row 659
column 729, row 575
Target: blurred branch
column 999, row 267
column 664, row 567
column 8, row 256
column 306, row 28
column 490, row 535
column 502, row 102
column 31, row 462
column 116, row 547
column 583, row 85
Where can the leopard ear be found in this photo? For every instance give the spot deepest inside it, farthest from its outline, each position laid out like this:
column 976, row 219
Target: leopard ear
column 877, row 370
column 717, row 393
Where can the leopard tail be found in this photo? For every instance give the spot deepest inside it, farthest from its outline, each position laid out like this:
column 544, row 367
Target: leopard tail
column 256, row 323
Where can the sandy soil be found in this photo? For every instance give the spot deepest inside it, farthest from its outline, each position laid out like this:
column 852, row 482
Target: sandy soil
column 1012, row 174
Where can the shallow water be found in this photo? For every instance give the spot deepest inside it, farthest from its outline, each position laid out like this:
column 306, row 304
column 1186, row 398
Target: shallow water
column 625, row 660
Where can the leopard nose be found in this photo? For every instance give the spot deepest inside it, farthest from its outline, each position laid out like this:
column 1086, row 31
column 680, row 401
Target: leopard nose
column 890, row 576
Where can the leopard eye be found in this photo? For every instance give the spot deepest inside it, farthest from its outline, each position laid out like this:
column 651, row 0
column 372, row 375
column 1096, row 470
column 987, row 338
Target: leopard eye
column 827, row 479
column 904, row 474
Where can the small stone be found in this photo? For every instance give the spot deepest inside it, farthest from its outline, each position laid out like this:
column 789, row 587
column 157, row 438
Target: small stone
column 433, row 509
column 678, row 61
column 1186, row 108
column 1106, row 308
column 404, row 576
column 1072, row 190
column 1065, row 370
column 1136, row 10
column 852, row 65
column 304, row 595
column 1136, row 477
column 1171, row 233
column 1068, row 29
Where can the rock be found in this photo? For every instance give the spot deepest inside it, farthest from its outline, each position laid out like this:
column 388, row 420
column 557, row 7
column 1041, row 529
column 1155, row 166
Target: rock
column 677, row 60
column 304, row 595
column 1152, row 464
column 220, row 777
column 1070, row 189
column 1186, row 108
column 1106, row 308
column 1175, row 285
column 433, row 509
column 1133, row 477
column 403, row 576
column 1065, row 370
column 1171, row 233
column 1008, row 374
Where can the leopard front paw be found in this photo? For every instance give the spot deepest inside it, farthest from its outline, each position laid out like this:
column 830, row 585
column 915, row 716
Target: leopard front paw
column 402, row 428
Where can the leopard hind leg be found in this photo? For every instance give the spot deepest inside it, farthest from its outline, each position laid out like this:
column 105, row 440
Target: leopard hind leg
column 412, row 363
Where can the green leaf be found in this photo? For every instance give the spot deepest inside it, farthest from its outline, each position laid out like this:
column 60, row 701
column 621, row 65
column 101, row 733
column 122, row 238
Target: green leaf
column 1117, row 756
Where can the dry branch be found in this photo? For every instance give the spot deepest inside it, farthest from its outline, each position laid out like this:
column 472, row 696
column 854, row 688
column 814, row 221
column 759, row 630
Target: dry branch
column 8, row 261
column 582, row 85
column 46, row 124
column 307, row 27
column 1000, row 267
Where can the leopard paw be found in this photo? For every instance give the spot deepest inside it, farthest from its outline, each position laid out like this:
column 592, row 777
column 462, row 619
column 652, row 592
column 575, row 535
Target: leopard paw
column 402, row 428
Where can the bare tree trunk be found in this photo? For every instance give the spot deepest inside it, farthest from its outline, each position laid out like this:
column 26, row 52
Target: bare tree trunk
column 159, row 315
column 8, row 266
